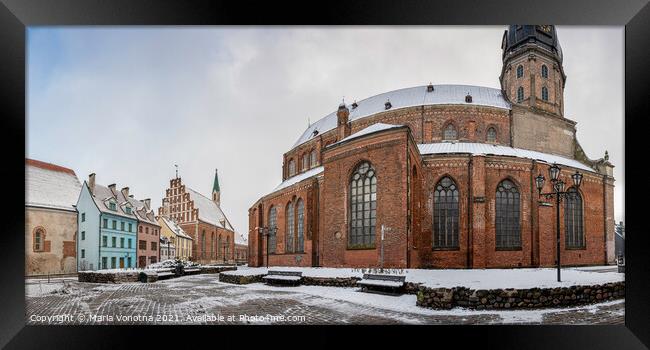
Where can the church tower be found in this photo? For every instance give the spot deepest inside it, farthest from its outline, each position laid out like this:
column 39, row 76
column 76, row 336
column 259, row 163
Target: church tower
column 532, row 74
column 216, row 193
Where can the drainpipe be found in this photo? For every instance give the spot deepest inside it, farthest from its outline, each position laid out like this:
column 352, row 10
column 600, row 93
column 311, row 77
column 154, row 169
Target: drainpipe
column 470, row 230
column 533, row 166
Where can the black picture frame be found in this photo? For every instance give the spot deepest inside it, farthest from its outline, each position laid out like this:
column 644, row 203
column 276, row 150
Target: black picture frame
column 16, row 15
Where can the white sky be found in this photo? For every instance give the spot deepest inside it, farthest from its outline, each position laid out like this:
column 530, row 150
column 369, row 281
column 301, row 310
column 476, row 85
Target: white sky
column 129, row 103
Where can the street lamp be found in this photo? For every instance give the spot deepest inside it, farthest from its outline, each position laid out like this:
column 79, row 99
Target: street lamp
column 267, row 232
column 558, row 193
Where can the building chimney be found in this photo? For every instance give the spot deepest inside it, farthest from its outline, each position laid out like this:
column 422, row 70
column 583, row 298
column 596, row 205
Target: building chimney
column 130, row 196
column 343, row 125
column 91, row 182
column 112, row 188
column 125, row 192
column 147, row 204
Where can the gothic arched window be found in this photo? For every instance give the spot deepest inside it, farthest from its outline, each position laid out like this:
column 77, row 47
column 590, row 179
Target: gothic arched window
column 273, row 225
column 520, row 94
column 508, row 233
column 313, row 158
column 363, row 206
column 544, row 71
column 227, row 257
column 212, row 246
column 292, row 167
column 219, row 245
column 305, row 161
column 300, row 247
column 491, row 135
column 203, row 244
column 544, row 93
column 450, row 132
column 289, row 228
column 39, row 236
column 520, row 71
column 573, row 228
column 445, row 214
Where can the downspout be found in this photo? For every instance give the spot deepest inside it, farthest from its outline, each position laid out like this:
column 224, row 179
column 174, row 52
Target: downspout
column 408, row 201
column 605, row 218
column 533, row 166
column 470, row 229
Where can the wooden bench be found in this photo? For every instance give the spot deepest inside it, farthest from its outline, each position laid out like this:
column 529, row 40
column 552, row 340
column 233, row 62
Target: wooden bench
column 283, row 277
column 382, row 283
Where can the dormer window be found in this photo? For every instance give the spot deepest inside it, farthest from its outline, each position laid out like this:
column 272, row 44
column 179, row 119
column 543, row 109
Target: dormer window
column 388, row 105
column 468, row 98
column 127, row 210
column 430, row 87
column 112, row 206
column 355, row 105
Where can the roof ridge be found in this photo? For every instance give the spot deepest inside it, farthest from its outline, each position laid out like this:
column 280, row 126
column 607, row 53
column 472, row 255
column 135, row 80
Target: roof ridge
column 49, row 166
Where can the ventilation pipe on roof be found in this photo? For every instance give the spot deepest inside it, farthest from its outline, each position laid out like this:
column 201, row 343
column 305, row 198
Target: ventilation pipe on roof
column 355, row 105
column 430, row 87
column 387, row 105
column 147, row 203
column 125, row 192
column 112, row 188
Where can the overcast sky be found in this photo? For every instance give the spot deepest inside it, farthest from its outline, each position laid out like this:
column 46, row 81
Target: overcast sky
column 128, row 103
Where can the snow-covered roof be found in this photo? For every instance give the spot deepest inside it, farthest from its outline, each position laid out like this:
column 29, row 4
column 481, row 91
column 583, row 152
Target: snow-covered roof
column 410, row 97
column 50, row 186
column 141, row 211
column 102, row 195
column 489, row 149
column 297, row 178
column 209, row 211
column 369, row 130
column 240, row 239
column 175, row 228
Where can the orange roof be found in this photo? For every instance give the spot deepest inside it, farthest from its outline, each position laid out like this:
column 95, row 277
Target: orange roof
column 48, row 166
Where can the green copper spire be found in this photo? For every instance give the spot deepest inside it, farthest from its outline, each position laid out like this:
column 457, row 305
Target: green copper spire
column 215, row 187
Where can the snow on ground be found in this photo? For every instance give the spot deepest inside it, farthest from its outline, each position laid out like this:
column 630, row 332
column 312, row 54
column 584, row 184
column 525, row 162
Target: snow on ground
column 41, row 287
column 406, row 303
column 474, row 278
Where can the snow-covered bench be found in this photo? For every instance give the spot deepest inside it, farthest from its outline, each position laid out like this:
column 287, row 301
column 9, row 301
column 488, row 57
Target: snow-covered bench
column 283, row 277
column 382, row 283
column 192, row 271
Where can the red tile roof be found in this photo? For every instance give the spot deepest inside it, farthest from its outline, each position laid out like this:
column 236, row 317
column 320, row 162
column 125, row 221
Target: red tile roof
column 48, row 166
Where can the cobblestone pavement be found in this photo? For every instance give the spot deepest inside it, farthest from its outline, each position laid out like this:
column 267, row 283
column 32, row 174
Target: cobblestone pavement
column 202, row 299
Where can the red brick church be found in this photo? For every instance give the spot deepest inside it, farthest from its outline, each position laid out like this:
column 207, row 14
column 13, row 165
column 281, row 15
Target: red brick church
column 445, row 174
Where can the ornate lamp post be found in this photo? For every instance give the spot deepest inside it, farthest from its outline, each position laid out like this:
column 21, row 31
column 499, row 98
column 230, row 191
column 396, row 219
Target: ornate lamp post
column 558, row 193
column 267, row 232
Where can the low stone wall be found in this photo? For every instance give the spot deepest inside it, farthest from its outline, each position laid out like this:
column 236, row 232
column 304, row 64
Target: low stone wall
column 446, row 298
column 113, row 277
column 237, row 279
column 330, row 281
column 217, row 269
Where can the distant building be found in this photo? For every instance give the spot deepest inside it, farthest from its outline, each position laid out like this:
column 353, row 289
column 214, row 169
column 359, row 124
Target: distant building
column 50, row 218
column 620, row 239
column 241, row 249
column 148, row 230
column 178, row 238
column 108, row 226
column 167, row 249
column 213, row 237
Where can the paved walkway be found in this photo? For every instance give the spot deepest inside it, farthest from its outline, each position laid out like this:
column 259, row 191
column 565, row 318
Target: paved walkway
column 202, row 299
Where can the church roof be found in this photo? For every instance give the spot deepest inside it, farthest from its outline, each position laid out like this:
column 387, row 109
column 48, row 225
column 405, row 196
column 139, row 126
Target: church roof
column 543, row 36
column 297, row 178
column 370, row 130
column 209, row 211
column 215, row 186
column 490, row 149
column 50, row 186
column 410, row 97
